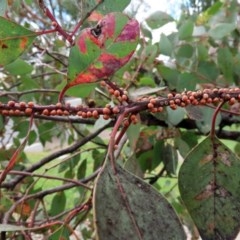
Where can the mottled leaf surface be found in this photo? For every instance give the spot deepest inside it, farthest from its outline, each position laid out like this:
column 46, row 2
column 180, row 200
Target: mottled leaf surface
column 14, row 39
column 149, row 213
column 101, row 51
column 209, row 185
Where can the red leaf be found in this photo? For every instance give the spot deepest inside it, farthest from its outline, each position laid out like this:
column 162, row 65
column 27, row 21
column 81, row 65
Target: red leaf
column 102, row 50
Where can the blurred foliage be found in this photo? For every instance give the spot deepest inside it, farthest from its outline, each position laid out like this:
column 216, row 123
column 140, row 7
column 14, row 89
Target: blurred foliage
column 202, row 52
column 199, row 6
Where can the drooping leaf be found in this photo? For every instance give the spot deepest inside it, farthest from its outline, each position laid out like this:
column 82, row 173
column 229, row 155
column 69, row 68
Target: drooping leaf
column 158, row 19
column 58, row 203
column 126, row 206
column 101, row 51
column 81, row 172
column 209, row 186
column 170, row 159
column 14, row 39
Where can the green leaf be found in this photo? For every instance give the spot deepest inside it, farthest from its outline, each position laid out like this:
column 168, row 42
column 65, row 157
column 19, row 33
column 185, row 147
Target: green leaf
column 140, row 209
column 170, row 75
column 226, row 63
column 19, row 67
column 98, row 159
column 133, row 133
column 146, row 81
column 107, row 6
column 22, row 128
column 208, row 70
column 82, row 91
column 32, row 137
column 221, row 30
column 158, row 19
column 181, row 146
column 14, row 39
column 157, row 154
column 133, row 166
column 204, row 124
column 186, row 30
column 209, row 186
column 176, row 116
column 61, row 233
column 146, row 160
column 81, row 172
column 185, row 51
column 187, row 81
column 58, row 203
column 166, row 47
column 202, row 52
column 211, row 11
column 170, row 159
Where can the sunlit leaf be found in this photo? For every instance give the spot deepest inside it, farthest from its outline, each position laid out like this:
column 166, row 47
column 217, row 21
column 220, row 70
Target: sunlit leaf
column 126, row 206
column 209, row 186
column 14, row 39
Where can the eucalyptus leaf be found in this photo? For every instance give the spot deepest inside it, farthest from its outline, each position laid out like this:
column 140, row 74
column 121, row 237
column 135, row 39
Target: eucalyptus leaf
column 127, row 195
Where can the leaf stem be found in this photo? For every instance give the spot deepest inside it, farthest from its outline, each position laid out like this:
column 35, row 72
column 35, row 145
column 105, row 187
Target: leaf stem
column 212, row 132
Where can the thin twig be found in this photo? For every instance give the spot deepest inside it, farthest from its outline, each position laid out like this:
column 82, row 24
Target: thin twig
column 53, row 156
column 42, row 194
